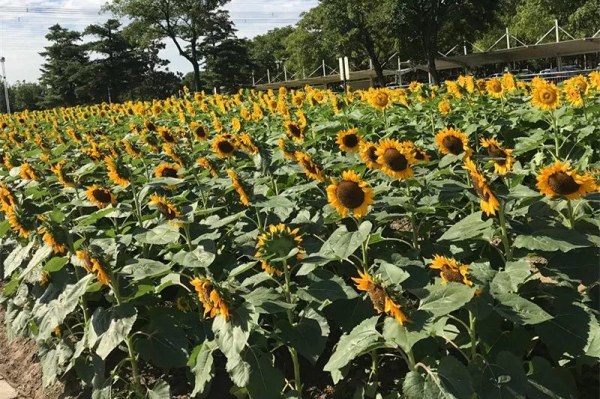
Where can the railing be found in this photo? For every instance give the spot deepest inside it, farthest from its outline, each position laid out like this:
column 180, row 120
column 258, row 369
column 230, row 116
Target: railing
column 555, row 77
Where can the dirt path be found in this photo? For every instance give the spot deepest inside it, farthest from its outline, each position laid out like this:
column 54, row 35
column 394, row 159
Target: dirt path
column 20, row 368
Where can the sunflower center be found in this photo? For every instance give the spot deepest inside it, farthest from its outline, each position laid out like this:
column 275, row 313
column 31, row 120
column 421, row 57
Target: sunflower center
column 548, row 96
column 453, row 144
column 377, row 295
column 381, row 99
column 452, row 274
column 225, row 147
column 497, row 152
column 295, row 130
column 395, row 160
column 562, row 184
column 169, row 172
column 497, row 87
column 350, row 140
column 350, row 194
column 372, row 154
column 101, row 196
column 200, row 132
column 419, row 155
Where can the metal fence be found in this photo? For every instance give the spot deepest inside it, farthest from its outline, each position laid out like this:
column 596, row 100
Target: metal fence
column 555, row 76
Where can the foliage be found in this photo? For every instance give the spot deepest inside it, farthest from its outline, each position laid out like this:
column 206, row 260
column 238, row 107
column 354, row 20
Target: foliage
column 258, row 242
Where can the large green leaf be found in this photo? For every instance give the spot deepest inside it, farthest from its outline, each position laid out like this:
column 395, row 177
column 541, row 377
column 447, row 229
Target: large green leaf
column 504, row 378
column 16, row 258
column 202, row 256
column 405, row 336
column 342, row 243
column 547, row 382
column 362, row 339
column 552, row 240
column 392, row 274
column 265, row 380
column 268, row 300
column 141, row 268
column 443, row 299
column 520, row 310
column 308, row 336
column 110, row 327
column 166, row 342
column 231, row 338
column 327, row 287
column 160, row 235
column 471, row 227
column 202, row 366
column 455, row 378
column 50, row 315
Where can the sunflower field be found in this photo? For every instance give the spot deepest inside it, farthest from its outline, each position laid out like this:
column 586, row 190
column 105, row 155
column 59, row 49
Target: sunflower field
column 434, row 242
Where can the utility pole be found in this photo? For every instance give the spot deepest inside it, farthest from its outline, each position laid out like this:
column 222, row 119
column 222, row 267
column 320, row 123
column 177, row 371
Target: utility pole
column 2, row 60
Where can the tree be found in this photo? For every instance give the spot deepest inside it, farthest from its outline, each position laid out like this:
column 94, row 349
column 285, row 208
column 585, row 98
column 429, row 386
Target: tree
column 422, row 25
column 65, row 74
column 229, row 65
column 269, row 49
column 361, row 24
column 119, row 67
column 187, row 23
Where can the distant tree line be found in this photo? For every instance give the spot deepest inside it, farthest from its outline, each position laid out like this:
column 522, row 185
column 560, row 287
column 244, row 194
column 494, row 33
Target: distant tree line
column 109, row 62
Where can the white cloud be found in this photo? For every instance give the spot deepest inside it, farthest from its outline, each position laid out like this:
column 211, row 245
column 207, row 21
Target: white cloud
column 23, row 27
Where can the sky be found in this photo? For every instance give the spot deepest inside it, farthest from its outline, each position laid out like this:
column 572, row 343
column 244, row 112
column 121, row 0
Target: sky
column 24, row 23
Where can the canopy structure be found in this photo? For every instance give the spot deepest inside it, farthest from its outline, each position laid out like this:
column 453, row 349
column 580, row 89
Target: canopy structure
column 522, row 53
column 366, row 74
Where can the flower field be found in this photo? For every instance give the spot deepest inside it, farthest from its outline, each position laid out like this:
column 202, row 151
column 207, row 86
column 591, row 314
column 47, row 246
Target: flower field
column 420, row 243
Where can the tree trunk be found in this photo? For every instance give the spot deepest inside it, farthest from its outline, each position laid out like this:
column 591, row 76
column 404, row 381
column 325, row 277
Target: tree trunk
column 370, row 47
column 431, row 53
column 196, row 74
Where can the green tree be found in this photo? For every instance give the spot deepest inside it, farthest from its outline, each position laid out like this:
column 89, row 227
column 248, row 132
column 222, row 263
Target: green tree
column 190, row 24
column 229, row 65
column 267, row 49
column 65, row 75
column 424, row 25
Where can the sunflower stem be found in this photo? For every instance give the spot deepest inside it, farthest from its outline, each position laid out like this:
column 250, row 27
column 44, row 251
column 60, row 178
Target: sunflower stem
column 571, row 216
column 186, row 228
column 293, row 352
column 138, row 213
column 472, row 334
column 507, row 249
column 556, row 133
column 374, row 361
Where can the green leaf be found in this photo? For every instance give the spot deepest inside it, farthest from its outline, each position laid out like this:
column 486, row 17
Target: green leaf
column 160, row 390
column 362, row 339
column 502, row 379
column 215, row 222
column 202, row 256
column 471, row 227
column 94, row 217
column 392, row 274
column 268, row 300
column 413, row 386
column 519, row 310
column 160, row 235
column 547, row 382
column 518, row 271
column 49, row 315
column 4, row 228
column 110, row 328
column 265, row 380
column 38, row 257
column 455, row 378
column 443, row 299
column 203, row 367
column 330, row 288
column 342, row 243
column 55, row 264
column 141, row 268
column 14, row 260
column 552, row 240
column 405, row 336
column 308, row 336
column 166, row 342
column 231, row 338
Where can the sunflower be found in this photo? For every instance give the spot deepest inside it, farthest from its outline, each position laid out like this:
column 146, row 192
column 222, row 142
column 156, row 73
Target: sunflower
column 117, row 173
column 199, row 131
column 211, row 299
column 368, row 153
column 27, row 172
column 183, row 303
column 595, row 79
column 166, row 208
column 247, row 144
column 236, row 125
column 379, row 100
column 131, row 149
column 167, row 170
column 349, row 140
column 453, row 141
column 100, row 196
column 7, row 199
column 559, row 180
column 395, row 159
column 504, row 160
column 238, row 187
column 488, row 201
column 545, row 96
column 53, row 238
column 311, row 169
column 149, row 125
column 276, row 242
column 224, row 145
column 206, row 164
column 418, row 154
column 350, row 194
column 64, row 179
column 294, row 131
column 286, row 148
column 444, row 107
column 508, row 82
column 415, row 86
column 451, row 270
column 44, row 279
column 92, row 264
column 382, row 302
column 573, row 95
column 494, row 87
column 19, row 222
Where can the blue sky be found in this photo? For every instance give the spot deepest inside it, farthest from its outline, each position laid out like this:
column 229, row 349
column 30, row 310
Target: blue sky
column 23, row 27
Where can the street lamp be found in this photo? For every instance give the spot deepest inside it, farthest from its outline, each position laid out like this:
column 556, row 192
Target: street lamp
column 2, row 59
